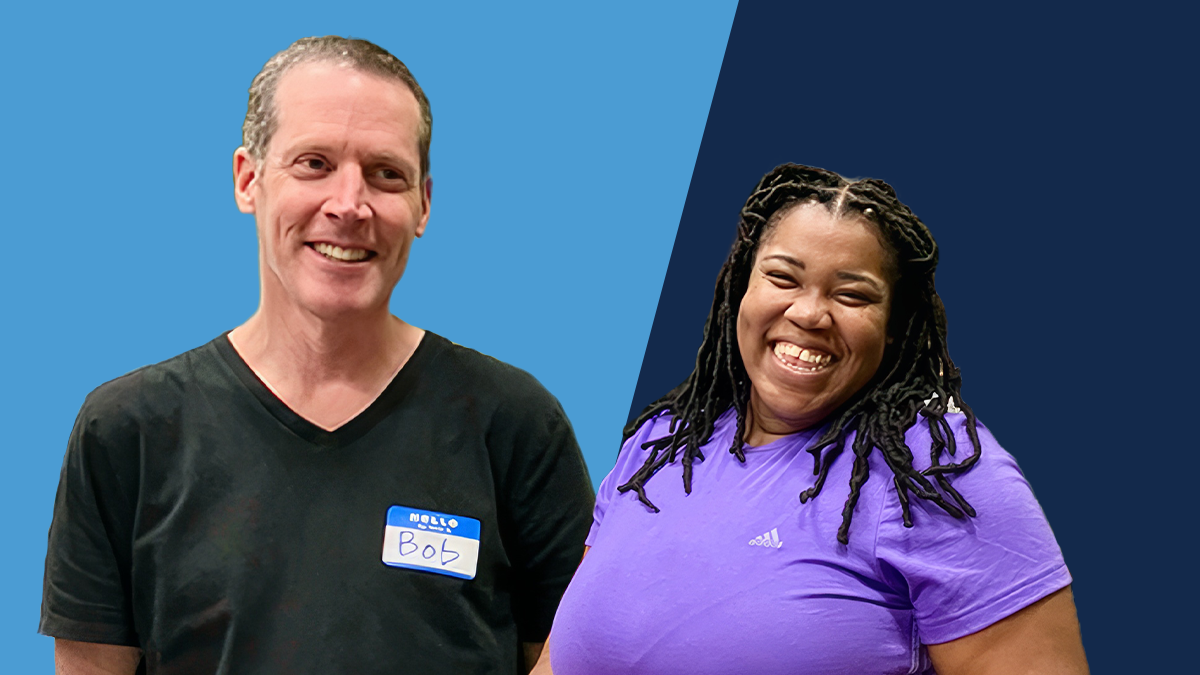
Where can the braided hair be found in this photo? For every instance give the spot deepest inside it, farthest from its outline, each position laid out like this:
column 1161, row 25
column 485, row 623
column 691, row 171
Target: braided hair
column 914, row 367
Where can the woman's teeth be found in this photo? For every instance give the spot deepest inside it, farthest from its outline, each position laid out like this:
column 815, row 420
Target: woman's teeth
column 339, row 253
column 818, row 361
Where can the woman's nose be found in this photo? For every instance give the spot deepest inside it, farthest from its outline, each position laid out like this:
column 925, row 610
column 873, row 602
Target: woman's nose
column 810, row 311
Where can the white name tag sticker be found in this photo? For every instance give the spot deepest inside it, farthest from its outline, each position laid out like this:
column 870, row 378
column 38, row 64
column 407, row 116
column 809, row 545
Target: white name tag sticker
column 431, row 542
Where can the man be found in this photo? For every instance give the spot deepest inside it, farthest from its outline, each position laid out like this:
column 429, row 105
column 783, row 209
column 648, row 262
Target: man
column 325, row 488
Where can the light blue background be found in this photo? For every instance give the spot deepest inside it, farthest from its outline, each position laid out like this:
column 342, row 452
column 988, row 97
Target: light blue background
column 564, row 140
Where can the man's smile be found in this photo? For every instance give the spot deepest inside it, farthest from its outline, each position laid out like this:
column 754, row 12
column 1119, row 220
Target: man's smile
column 340, row 254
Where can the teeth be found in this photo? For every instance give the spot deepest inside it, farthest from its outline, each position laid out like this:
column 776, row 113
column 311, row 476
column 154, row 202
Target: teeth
column 790, row 350
column 339, row 253
column 819, row 361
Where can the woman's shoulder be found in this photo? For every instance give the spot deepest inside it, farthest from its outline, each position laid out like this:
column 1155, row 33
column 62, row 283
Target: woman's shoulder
column 967, row 572
column 956, row 439
column 635, row 449
column 665, row 424
column 632, row 454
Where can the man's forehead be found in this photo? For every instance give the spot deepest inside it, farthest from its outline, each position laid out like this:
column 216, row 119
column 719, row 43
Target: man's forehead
column 327, row 93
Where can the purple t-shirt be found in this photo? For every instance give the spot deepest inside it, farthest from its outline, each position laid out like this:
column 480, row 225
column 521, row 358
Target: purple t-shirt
column 740, row 577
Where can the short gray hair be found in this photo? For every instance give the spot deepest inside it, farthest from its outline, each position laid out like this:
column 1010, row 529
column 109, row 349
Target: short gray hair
column 262, row 118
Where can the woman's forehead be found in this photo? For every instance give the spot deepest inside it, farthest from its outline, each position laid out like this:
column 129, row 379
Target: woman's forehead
column 812, row 233
column 813, row 222
column 809, row 220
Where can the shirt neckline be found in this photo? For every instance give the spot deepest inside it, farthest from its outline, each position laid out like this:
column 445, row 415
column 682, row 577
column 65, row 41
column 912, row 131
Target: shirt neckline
column 393, row 394
column 799, row 439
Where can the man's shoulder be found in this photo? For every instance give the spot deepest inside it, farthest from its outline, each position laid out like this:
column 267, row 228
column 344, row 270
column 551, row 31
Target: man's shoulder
column 150, row 389
column 459, row 366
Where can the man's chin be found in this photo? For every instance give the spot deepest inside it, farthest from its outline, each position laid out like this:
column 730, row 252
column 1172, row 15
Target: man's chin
column 344, row 311
column 340, row 306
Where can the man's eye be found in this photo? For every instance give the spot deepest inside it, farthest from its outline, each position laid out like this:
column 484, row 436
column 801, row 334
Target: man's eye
column 312, row 165
column 388, row 179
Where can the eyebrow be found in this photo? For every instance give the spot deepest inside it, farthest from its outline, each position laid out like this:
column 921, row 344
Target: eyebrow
column 386, row 157
column 787, row 259
column 849, row 276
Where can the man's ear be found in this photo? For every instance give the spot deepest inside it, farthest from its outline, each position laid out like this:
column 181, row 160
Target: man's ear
column 426, row 201
column 245, row 178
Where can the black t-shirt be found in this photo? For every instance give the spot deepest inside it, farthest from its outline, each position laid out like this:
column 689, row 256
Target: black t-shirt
column 202, row 520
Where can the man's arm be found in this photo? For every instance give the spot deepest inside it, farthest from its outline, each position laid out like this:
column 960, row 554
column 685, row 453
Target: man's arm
column 537, row 655
column 1042, row 639
column 546, row 500
column 85, row 597
column 90, row 658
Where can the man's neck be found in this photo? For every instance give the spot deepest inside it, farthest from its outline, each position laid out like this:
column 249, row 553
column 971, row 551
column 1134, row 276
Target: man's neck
column 327, row 371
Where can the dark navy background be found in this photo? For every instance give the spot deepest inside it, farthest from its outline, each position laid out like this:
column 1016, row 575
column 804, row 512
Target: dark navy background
column 1052, row 153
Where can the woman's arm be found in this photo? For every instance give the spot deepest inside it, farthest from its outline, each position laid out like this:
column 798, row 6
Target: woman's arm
column 1041, row 639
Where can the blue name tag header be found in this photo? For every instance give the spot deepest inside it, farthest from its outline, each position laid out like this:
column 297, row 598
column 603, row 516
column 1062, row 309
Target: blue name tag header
column 432, row 521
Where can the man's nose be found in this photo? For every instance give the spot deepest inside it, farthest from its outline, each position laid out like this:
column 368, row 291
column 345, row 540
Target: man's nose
column 348, row 200
column 810, row 310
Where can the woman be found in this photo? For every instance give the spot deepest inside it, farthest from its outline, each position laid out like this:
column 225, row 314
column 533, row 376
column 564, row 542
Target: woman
column 826, row 333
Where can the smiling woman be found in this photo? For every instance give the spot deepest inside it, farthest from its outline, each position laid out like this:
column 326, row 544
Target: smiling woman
column 826, row 332
column 812, row 326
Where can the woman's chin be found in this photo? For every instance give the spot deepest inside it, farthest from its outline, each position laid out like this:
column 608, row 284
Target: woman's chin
column 784, row 411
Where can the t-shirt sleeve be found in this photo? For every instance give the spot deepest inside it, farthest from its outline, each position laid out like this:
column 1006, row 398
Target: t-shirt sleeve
column 85, row 592
column 629, row 460
column 550, row 498
column 965, row 574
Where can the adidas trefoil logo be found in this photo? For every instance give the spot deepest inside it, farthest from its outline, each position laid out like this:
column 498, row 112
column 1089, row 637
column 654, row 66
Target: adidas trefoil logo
column 768, row 539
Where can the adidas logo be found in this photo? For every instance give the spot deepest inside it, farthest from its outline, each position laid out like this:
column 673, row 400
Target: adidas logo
column 769, row 539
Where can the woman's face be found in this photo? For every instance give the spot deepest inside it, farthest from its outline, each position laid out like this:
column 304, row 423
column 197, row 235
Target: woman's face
column 813, row 324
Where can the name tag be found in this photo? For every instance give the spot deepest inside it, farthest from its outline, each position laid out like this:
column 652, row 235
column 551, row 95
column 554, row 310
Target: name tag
column 431, row 541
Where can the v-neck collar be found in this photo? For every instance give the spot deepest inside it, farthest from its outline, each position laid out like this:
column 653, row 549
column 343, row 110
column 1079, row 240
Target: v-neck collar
column 400, row 386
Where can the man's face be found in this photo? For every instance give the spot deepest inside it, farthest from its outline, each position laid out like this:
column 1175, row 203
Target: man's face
column 338, row 197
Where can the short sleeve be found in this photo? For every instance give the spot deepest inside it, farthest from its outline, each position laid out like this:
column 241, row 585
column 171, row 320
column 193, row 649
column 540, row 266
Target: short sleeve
column 629, row 460
column 965, row 574
column 85, row 593
column 549, row 498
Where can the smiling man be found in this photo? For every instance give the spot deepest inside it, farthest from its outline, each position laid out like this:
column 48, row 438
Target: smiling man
column 325, row 488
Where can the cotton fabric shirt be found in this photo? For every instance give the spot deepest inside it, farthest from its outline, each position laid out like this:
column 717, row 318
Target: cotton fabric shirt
column 740, row 577
column 202, row 520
